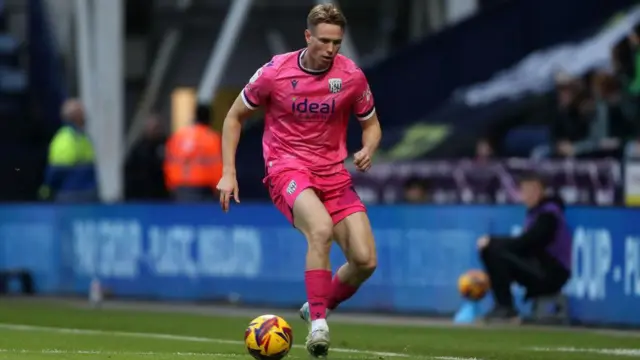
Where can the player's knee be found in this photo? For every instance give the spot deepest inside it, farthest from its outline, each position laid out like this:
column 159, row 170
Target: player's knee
column 319, row 236
column 364, row 260
column 366, row 265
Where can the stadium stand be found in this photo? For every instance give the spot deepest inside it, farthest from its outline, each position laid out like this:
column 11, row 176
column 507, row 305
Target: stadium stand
column 429, row 72
column 31, row 90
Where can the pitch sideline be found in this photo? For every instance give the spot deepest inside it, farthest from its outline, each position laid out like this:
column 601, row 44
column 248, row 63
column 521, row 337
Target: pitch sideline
column 599, row 351
column 60, row 330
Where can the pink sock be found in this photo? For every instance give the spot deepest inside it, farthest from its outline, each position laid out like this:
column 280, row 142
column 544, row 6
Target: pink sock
column 318, row 284
column 340, row 292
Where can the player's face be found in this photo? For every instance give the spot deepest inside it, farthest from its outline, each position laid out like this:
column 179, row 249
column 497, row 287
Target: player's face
column 531, row 193
column 324, row 43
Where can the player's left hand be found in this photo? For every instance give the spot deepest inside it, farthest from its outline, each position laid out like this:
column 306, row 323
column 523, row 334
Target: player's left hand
column 483, row 242
column 362, row 160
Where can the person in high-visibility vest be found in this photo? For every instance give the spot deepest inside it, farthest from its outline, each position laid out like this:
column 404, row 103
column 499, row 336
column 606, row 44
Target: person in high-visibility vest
column 71, row 174
column 193, row 165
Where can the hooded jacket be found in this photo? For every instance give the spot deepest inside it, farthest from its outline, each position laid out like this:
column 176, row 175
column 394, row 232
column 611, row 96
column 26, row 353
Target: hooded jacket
column 545, row 230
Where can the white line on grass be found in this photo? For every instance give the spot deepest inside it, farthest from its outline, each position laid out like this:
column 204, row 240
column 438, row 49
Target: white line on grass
column 115, row 353
column 601, row 351
column 168, row 337
column 17, row 327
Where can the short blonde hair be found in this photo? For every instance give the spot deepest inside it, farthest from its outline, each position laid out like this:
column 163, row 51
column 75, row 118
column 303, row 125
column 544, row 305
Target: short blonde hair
column 326, row 14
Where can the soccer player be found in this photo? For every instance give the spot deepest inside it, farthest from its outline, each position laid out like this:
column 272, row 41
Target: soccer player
column 309, row 96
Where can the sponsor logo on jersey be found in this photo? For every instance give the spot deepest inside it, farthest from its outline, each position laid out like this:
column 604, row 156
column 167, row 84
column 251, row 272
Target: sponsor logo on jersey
column 307, row 109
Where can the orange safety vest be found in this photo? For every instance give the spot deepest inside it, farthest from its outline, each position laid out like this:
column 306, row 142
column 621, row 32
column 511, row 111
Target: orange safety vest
column 193, row 158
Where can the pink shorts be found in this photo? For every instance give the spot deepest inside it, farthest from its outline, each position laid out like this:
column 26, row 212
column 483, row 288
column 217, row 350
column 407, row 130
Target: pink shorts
column 335, row 191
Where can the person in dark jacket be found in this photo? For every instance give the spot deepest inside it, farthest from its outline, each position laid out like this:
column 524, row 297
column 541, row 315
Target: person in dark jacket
column 143, row 172
column 539, row 259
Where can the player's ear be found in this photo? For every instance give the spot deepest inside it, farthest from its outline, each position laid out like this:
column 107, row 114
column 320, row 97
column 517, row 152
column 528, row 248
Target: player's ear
column 307, row 36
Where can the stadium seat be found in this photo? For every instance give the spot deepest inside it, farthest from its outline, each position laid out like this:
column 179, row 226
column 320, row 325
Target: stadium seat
column 9, row 50
column 8, row 44
column 520, row 141
column 13, row 82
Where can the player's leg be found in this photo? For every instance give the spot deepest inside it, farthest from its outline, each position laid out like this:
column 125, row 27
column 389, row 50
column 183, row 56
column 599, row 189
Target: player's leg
column 355, row 237
column 352, row 231
column 293, row 194
column 313, row 220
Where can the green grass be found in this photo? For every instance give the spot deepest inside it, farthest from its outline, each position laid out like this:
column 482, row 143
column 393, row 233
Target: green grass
column 128, row 335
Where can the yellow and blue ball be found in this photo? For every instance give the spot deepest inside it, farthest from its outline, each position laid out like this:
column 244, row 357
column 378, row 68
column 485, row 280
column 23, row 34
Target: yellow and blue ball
column 268, row 337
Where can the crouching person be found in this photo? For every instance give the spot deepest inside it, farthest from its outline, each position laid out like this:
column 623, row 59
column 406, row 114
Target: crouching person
column 539, row 259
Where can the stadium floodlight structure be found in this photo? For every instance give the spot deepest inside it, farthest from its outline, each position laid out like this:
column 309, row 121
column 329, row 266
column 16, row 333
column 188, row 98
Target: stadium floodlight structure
column 100, row 34
column 223, row 49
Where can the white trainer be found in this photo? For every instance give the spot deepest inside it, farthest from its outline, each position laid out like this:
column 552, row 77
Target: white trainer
column 318, row 339
column 318, row 343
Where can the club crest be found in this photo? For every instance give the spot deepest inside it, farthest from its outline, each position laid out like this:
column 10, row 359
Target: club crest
column 335, row 85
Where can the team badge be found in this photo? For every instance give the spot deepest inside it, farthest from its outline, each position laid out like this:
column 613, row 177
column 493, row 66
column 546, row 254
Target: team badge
column 335, row 85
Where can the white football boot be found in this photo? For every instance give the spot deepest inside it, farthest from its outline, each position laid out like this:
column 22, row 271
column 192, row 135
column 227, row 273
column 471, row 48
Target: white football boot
column 318, row 340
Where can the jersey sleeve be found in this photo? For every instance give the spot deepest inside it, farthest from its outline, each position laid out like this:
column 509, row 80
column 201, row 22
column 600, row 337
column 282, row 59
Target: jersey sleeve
column 364, row 106
column 259, row 87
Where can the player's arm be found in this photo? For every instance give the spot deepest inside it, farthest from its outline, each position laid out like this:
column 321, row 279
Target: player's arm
column 254, row 94
column 364, row 108
column 371, row 133
column 231, row 129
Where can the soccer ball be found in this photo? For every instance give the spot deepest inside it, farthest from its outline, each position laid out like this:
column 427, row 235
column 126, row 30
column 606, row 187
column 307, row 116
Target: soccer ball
column 473, row 285
column 268, row 337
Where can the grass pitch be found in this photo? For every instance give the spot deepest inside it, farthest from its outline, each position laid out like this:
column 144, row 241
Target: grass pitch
column 41, row 330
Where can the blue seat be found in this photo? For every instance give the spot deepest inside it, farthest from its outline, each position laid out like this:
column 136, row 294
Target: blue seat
column 520, row 141
column 13, row 82
column 8, row 45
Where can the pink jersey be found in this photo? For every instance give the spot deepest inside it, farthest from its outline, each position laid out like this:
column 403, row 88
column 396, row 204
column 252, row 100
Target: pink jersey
column 307, row 111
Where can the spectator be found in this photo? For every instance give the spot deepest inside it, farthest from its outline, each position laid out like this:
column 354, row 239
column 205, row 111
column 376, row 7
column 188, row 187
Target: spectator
column 634, row 71
column 484, row 150
column 71, row 174
column 144, row 174
column 572, row 121
column 626, row 61
column 539, row 259
column 622, row 61
column 415, row 191
column 609, row 126
column 193, row 164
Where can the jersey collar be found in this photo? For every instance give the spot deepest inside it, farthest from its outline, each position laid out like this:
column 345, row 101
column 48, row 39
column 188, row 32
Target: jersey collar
column 310, row 71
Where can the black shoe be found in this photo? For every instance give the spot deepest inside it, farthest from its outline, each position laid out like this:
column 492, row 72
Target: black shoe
column 502, row 314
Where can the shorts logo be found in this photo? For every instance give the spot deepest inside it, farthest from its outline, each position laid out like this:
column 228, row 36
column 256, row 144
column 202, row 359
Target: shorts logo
column 335, row 85
column 292, row 187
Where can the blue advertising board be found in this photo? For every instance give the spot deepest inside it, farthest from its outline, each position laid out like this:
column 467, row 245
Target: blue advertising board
column 253, row 255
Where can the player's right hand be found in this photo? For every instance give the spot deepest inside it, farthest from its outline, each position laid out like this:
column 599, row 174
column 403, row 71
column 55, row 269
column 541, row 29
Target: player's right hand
column 228, row 187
